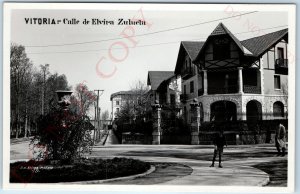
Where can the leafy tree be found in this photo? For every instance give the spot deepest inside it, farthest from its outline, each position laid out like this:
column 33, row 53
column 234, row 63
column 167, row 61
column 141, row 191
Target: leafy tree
column 33, row 90
column 82, row 99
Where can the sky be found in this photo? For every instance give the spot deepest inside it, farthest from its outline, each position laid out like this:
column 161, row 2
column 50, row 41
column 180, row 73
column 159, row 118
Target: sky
column 129, row 59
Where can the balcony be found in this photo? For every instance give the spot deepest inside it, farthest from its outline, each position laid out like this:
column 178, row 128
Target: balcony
column 252, row 89
column 187, row 73
column 223, row 90
column 183, row 97
column 200, row 92
column 281, row 63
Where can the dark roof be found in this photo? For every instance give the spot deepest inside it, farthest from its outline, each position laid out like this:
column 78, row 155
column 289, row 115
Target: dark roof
column 221, row 29
column 192, row 48
column 130, row 92
column 156, row 77
column 258, row 45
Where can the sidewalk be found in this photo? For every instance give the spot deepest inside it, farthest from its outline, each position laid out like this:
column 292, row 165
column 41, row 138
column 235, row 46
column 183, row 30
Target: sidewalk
column 19, row 140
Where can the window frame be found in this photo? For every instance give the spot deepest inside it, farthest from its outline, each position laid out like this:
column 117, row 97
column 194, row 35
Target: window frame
column 279, row 85
column 218, row 50
column 280, row 107
column 280, row 50
column 192, row 87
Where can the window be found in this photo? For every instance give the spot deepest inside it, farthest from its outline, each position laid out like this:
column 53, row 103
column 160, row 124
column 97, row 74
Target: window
column 277, row 84
column 184, row 89
column 280, row 54
column 117, row 102
column 221, row 49
column 278, row 109
column 172, row 99
column 118, row 110
column 192, row 87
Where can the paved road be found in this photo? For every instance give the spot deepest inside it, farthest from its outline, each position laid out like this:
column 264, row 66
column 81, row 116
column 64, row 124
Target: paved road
column 188, row 164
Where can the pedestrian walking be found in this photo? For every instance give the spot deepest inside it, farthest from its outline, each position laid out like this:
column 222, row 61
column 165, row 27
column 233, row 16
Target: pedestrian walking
column 219, row 143
column 280, row 139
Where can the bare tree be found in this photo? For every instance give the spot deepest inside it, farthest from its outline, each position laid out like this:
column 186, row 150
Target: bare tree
column 45, row 72
column 20, row 67
column 136, row 103
column 105, row 115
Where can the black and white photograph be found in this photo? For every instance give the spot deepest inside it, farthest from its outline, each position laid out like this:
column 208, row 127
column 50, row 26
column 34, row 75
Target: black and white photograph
column 160, row 97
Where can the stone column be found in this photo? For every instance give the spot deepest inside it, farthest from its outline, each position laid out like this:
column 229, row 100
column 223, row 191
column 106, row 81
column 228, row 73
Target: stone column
column 204, row 82
column 262, row 89
column 240, row 80
column 156, row 134
column 259, row 80
column 195, row 121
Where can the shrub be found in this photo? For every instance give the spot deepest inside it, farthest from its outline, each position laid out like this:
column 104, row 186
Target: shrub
column 65, row 135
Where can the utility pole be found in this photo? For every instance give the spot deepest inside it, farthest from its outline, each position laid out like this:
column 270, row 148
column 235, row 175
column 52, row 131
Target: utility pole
column 97, row 116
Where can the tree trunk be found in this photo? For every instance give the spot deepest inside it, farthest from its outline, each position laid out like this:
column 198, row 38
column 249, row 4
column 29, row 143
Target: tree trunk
column 26, row 123
column 17, row 124
column 29, row 128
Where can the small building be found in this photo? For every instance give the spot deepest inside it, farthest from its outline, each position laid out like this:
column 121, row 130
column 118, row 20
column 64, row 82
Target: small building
column 118, row 100
column 165, row 87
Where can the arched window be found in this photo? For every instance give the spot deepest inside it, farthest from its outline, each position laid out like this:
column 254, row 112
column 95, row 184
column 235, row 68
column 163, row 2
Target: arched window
column 278, row 109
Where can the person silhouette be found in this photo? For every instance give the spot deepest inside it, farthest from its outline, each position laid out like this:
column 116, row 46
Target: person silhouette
column 219, row 141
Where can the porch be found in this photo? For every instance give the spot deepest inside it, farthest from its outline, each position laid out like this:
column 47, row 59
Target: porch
column 231, row 81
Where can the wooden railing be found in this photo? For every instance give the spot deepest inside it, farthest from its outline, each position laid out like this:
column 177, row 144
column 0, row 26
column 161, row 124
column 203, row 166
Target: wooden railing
column 223, row 90
column 251, row 89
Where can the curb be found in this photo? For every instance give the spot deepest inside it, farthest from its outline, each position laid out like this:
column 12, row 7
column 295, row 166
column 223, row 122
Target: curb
column 264, row 182
column 152, row 169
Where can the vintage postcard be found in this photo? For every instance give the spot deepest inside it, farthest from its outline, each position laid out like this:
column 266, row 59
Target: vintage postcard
column 149, row 97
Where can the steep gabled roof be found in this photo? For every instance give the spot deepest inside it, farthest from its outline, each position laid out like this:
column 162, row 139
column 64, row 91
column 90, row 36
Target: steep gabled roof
column 258, row 45
column 221, row 29
column 192, row 48
column 155, row 78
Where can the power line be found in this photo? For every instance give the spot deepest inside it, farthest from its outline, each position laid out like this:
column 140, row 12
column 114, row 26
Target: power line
column 148, row 45
column 160, row 31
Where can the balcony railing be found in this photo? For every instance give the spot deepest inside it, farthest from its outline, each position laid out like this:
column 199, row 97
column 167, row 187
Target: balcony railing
column 183, row 97
column 252, row 89
column 281, row 63
column 223, row 90
column 187, row 73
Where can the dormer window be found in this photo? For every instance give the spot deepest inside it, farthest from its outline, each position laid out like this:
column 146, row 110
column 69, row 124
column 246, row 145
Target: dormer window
column 221, row 48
